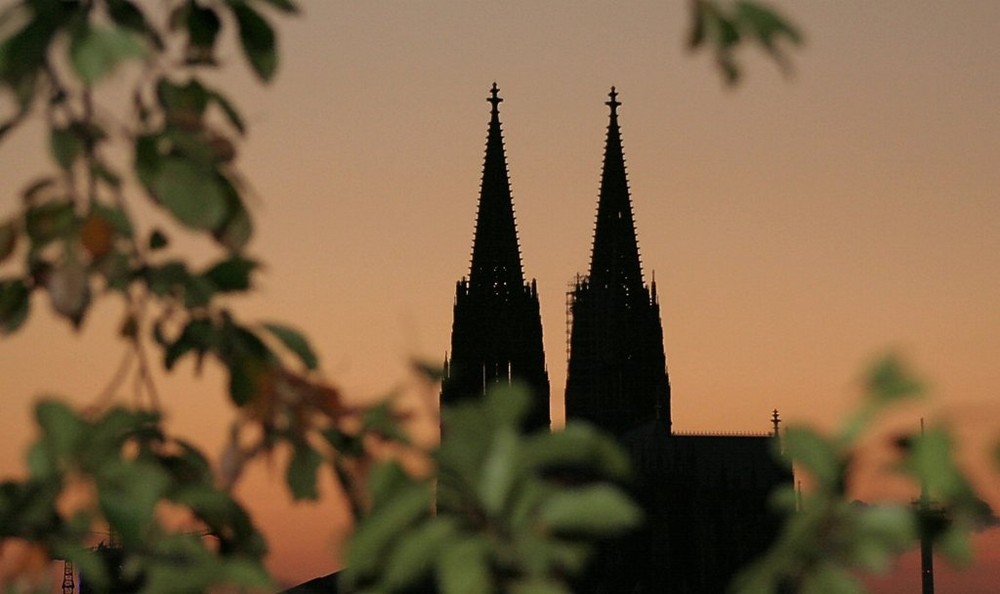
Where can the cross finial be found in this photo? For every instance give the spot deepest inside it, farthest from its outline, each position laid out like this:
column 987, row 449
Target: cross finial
column 494, row 98
column 775, row 421
column 614, row 103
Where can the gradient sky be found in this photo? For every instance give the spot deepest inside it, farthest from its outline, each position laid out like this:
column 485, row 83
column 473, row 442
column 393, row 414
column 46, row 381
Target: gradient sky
column 797, row 227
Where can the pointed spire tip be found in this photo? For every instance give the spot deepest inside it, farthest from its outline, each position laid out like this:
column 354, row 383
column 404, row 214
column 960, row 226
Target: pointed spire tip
column 614, row 103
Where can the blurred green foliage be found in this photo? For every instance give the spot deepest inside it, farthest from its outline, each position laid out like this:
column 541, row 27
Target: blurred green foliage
column 723, row 26
column 827, row 538
column 515, row 512
column 499, row 511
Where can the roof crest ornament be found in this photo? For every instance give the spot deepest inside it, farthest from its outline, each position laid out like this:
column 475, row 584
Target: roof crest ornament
column 495, row 99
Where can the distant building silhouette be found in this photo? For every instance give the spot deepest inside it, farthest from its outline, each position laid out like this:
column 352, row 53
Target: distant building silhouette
column 705, row 496
column 497, row 331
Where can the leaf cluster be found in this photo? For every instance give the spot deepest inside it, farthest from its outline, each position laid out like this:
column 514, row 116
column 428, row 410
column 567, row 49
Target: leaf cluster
column 723, row 26
column 826, row 538
column 117, row 473
column 73, row 238
column 514, row 512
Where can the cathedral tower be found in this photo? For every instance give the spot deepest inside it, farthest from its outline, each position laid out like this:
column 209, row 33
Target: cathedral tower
column 617, row 375
column 496, row 334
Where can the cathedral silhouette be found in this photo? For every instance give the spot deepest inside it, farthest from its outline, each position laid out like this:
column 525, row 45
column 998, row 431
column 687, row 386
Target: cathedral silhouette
column 705, row 496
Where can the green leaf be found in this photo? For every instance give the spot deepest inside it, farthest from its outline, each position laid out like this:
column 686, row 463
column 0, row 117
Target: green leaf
column 883, row 531
column 499, row 471
column 184, row 104
column 830, row 579
column 933, row 463
column 229, row 110
column 88, row 564
column 61, row 428
column 96, row 50
column 22, row 57
column 246, row 373
column 956, row 544
column 596, row 510
column 295, row 342
column 65, row 146
column 187, row 139
column 373, row 537
column 203, row 27
column 127, row 15
column 191, row 192
column 766, row 24
column 382, row 421
column 109, row 433
column 15, row 303
column 346, row 444
column 808, row 448
column 167, row 278
column 8, row 239
column 41, row 463
column 249, row 575
column 199, row 335
column 578, row 445
column 232, row 274
column 889, row 380
column 301, row 472
column 50, row 221
column 387, row 479
column 542, row 555
column 128, row 493
column 257, row 39
column 728, row 33
column 194, row 461
column 414, row 555
column 463, row 568
column 699, row 23
column 236, row 232
column 507, row 404
column 198, row 292
column 115, row 217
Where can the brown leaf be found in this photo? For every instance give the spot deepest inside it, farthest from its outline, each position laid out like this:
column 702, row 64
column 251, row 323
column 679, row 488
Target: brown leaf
column 97, row 235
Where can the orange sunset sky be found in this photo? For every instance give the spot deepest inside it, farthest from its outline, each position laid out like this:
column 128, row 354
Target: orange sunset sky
column 797, row 227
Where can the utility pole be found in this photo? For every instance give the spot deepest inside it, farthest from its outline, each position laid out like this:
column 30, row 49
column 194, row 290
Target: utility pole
column 926, row 545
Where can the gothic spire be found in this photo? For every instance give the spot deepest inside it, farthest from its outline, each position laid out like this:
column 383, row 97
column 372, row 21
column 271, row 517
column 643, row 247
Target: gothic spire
column 496, row 256
column 496, row 335
column 617, row 375
column 614, row 262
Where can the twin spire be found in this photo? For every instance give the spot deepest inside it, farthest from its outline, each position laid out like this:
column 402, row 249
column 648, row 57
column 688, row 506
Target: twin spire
column 617, row 368
column 496, row 256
